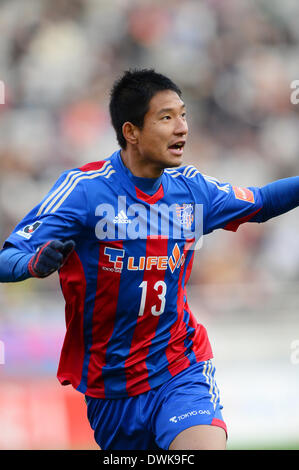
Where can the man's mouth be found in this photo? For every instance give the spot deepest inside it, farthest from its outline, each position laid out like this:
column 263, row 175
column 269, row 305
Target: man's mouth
column 177, row 148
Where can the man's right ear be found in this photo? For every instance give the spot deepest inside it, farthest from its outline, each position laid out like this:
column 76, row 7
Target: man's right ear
column 130, row 133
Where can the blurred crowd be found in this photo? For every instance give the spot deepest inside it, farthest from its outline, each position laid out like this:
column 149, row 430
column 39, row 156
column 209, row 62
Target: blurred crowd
column 233, row 59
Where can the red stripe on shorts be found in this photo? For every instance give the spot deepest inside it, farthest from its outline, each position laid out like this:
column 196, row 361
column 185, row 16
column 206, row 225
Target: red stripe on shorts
column 219, row 423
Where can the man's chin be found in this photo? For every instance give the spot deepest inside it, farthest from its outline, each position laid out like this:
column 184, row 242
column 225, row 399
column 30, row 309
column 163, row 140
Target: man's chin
column 174, row 162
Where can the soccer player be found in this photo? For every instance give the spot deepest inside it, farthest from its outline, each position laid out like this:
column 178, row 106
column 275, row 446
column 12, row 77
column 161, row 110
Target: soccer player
column 122, row 232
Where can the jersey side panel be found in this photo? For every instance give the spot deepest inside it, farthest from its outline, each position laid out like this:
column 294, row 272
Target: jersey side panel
column 101, row 323
column 73, row 285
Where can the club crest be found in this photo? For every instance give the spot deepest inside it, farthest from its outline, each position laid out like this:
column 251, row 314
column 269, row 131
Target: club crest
column 185, row 214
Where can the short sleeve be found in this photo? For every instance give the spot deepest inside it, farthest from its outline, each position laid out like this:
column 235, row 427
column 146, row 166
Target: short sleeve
column 61, row 215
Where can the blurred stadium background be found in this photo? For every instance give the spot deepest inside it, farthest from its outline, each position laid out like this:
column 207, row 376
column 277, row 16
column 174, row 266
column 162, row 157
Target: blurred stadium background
column 235, row 61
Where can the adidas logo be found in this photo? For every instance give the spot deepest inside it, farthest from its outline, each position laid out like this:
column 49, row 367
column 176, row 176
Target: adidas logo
column 121, row 218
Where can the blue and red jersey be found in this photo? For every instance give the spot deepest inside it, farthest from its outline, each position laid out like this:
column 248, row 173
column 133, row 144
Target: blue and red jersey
column 128, row 324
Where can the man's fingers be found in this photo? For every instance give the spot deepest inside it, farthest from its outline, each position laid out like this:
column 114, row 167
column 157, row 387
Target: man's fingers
column 56, row 245
column 59, row 251
column 68, row 247
column 53, row 254
column 62, row 247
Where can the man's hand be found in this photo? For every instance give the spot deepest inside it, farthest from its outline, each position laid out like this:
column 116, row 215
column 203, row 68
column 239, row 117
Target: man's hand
column 49, row 257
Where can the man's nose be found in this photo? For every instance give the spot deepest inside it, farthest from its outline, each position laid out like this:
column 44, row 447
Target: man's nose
column 181, row 127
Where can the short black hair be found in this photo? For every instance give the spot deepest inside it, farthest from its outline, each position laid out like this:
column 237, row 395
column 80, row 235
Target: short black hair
column 130, row 97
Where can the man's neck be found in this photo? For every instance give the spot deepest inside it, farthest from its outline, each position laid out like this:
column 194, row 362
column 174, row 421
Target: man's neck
column 138, row 167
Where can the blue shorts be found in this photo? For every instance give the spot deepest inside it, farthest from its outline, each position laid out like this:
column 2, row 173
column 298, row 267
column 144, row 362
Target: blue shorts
column 152, row 420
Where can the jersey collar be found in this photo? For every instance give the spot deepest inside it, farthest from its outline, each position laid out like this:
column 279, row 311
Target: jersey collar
column 129, row 183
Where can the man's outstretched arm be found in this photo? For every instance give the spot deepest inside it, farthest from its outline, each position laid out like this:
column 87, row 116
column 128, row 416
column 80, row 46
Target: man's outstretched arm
column 278, row 197
column 16, row 265
column 230, row 206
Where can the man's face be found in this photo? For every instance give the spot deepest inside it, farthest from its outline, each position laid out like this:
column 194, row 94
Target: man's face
column 161, row 140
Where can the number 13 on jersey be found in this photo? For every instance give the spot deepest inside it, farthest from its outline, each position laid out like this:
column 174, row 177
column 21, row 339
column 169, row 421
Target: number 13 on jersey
column 156, row 310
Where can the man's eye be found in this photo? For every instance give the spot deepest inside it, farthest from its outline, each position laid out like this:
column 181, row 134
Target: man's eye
column 166, row 118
